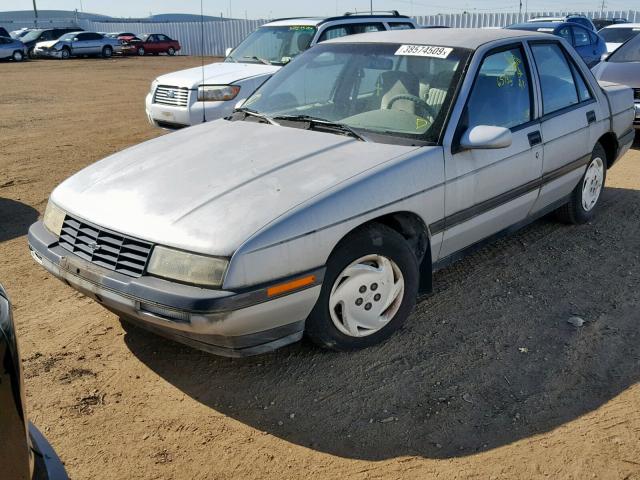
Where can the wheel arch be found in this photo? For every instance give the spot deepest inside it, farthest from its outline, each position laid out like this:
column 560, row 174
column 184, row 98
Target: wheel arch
column 609, row 142
column 414, row 230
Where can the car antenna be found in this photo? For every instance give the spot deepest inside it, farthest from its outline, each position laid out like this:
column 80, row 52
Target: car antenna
column 204, row 113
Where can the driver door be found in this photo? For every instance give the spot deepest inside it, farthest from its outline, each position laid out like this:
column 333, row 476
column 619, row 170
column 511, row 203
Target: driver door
column 489, row 190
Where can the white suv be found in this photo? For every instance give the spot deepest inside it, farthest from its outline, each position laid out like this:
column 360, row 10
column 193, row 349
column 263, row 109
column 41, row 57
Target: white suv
column 193, row 96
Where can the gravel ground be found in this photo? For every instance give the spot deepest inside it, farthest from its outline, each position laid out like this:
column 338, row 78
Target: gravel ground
column 487, row 380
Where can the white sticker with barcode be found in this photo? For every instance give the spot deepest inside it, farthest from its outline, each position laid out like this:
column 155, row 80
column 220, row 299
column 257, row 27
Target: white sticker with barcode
column 424, row 51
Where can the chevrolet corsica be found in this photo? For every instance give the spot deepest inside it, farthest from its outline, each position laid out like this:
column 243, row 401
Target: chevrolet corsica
column 324, row 203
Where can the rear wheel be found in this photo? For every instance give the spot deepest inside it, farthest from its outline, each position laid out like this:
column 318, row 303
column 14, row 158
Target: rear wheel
column 586, row 196
column 171, row 51
column 369, row 289
column 18, row 56
column 107, row 52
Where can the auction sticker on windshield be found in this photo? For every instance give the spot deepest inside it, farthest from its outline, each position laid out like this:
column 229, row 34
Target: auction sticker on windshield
column 424, row 51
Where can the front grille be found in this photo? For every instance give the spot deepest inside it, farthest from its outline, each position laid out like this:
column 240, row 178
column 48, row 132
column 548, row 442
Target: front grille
column 105, row 248
column 174, row 96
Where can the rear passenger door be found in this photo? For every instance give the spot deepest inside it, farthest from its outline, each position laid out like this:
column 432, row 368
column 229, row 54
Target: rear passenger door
column 567, row 114
column 487, row 191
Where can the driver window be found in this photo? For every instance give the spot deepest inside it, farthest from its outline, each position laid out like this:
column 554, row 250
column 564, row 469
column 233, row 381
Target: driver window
column 501, row 95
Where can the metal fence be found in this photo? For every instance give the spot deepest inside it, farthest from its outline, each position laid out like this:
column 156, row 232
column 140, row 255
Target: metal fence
column 213, row 38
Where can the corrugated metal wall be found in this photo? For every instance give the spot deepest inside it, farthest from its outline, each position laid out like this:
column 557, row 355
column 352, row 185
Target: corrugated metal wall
column 220, row 35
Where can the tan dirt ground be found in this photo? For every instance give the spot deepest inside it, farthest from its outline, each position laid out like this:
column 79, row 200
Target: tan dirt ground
column 487, row 380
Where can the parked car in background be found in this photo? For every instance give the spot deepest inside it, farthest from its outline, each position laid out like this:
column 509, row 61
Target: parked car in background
column 35, row 36
column 623, row 67
column 24, row 452
column 120, row 35
column 616, row 35
column 4, row 33
column 17, row 34
column 601, row 23
column 324, row 202
column 192, row 96
column 589, row 45
column 154, row 43
column 573, row 18
column 78, row 44
column 13, row 49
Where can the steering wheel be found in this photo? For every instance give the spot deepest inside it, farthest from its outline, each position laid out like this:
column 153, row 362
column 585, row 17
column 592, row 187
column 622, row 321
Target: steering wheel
column 420, row 103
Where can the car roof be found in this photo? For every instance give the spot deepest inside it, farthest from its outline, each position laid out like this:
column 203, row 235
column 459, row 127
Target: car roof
column 623, row 25
column 451, row 37
column 315, row 21
column 533, row 26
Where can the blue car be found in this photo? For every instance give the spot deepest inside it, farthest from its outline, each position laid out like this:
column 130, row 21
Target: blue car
column 14, row 49
column 589, row 45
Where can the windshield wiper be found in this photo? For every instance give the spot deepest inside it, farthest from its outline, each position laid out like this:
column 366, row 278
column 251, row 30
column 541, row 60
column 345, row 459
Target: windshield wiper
column 327, row 125
column 252, row 113
column 262, row 60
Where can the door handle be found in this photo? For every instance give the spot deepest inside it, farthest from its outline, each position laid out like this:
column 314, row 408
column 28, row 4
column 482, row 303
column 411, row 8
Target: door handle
column 535, row 138
column 591, row 117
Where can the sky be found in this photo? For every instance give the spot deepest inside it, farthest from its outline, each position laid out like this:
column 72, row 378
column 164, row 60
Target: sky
column 286, row 8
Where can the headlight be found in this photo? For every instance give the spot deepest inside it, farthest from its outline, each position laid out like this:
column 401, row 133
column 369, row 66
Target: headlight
column 54, row 218
column 217, row 93
column 187, row 267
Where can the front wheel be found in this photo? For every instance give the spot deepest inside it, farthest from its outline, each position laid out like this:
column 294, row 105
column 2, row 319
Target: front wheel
column 65, row 54
column 585, row 197
column 369, row 289
column 141, row 51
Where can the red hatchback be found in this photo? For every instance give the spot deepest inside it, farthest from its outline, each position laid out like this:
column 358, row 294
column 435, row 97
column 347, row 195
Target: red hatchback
column 155, row 43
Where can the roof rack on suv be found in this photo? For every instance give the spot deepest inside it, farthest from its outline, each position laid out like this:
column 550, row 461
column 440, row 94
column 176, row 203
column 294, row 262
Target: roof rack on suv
column 395, row 13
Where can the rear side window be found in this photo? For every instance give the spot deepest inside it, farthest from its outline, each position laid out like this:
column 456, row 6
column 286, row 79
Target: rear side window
column 334, row 32
column 366, row 27
column 583, row 91
column 556, row 79
column 501, row 95
column 581, row 37
column 400, row 26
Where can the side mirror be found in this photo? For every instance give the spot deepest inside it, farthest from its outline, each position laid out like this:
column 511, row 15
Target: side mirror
column 485, row 137
column 240, row 103
column 228, row 51
column 75, row 39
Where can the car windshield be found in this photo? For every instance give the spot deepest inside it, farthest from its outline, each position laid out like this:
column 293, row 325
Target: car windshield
column 618, row 35
column 629, row 52
column 144, row 36
column 273, row 45
column 31, row 35
column 387, row 91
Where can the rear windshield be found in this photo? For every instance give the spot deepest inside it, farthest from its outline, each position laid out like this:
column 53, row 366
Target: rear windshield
column 618, row 35
column 629, row 52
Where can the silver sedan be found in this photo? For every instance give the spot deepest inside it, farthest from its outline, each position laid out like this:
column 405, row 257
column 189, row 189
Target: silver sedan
column 13, row 49
column 78, row 44
column 325, row 202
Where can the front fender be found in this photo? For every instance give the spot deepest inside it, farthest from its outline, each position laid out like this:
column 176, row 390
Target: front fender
column 303, row 238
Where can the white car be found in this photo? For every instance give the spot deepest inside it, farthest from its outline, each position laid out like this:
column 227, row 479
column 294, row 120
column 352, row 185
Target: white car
column 618, row 33
column 182, row 98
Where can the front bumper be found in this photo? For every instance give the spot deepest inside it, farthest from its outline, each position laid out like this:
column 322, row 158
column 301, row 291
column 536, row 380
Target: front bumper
column 172, row 117
column 48, row 52
column 47, row 465
column 225, row 323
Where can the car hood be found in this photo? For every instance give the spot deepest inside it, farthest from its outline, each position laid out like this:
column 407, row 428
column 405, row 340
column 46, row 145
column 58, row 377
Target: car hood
column 627, row 73
column 49, row 43
column 210, row 187
column 222, row 73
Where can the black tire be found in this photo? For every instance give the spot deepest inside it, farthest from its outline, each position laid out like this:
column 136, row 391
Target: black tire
column 66, row 54
column 17, row 56
column 107, row 52
column 141, row 52
column 573, row 211
column 171, row 52
column 372, row 239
